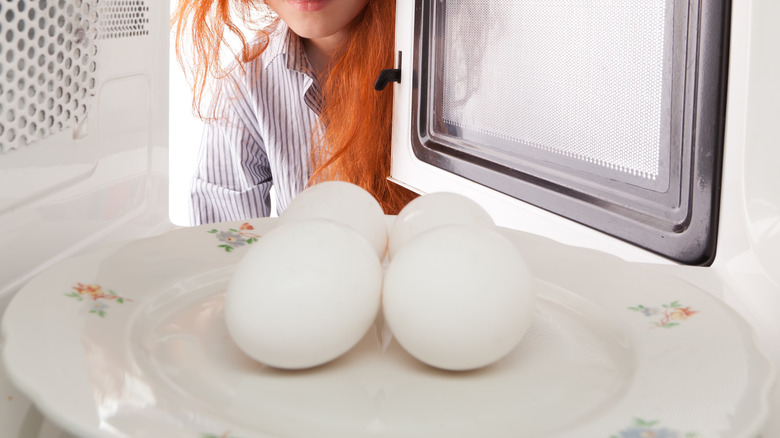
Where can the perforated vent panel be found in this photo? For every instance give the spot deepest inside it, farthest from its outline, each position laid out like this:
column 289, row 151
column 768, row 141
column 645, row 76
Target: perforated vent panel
column 48, row 61
column 123, row 18
column 47, row 66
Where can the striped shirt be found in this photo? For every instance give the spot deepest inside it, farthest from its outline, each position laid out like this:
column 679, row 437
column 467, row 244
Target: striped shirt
column 260, row 137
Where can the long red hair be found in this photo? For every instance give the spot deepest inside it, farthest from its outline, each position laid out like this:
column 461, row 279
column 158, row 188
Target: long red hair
column 355, row 144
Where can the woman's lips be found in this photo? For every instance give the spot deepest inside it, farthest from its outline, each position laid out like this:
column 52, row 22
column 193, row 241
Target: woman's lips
column 308, row 5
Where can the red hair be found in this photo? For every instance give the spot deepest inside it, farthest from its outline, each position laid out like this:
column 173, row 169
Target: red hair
column 355, row 146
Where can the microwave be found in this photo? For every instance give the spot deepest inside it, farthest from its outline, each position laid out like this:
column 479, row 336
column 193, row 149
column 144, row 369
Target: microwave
column 631, row 138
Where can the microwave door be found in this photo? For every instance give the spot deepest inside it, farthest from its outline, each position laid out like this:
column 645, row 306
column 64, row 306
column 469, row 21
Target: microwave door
column 83, row 139
column 611, row 116
column 642, row 132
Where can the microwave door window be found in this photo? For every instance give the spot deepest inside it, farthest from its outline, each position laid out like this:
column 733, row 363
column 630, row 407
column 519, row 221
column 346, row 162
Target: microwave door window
column 582, row 108
column 548, row 85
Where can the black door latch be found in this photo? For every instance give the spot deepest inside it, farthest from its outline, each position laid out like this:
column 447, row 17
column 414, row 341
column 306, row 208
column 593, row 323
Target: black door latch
column 388, row 75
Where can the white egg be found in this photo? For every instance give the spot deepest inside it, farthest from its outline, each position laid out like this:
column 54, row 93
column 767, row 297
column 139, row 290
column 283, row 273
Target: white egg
column 304, row 294
column 458, row 297
column 434, row 210
column 345, row 203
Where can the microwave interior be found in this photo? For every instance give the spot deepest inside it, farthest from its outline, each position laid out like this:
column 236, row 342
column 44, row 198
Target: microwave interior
column 608, row 113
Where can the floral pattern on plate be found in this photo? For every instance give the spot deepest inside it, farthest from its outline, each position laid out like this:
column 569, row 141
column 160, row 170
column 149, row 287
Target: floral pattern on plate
column 233, row 238
column 670, row 314
column 651, row 429
column 97, row 295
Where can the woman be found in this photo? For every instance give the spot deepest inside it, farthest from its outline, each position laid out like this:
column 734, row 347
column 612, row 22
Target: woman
column 296, row 106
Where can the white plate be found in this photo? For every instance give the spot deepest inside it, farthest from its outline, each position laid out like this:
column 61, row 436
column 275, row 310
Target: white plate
column 130, row 341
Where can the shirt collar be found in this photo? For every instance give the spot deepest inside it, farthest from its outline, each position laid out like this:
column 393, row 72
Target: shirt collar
column 296, row 56
column 291, row 45
column 288, row 47
column 286, row 44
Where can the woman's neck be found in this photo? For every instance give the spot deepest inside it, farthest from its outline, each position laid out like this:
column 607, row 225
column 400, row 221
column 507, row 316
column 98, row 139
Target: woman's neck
column 319, row 52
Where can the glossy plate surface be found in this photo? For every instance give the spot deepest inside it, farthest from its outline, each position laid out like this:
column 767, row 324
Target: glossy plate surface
column 130, row 340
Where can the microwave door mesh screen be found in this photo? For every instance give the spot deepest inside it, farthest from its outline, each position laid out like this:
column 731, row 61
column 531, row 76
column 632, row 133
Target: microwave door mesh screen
column 580, row 82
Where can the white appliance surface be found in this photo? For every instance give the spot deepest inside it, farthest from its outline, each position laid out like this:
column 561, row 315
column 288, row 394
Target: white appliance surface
column 105, row 179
